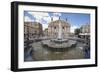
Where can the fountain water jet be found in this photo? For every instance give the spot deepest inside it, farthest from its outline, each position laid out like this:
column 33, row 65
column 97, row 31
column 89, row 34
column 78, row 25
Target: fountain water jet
column 60, row 32
column 59, row 38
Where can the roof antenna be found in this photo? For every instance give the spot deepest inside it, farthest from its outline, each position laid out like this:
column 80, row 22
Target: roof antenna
column 59, row 17
column 51, row 18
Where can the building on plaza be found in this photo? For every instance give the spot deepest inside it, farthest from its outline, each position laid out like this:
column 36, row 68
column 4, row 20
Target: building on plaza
column 85, row 32
column 53, row 28
column 85, row 28
column 32, row 30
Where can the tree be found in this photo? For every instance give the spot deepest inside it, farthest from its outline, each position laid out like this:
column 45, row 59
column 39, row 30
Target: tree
column 77, row 31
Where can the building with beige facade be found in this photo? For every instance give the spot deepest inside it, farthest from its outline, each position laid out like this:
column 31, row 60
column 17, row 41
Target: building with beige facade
column 53, row 28
column 32, row 30
column 85, row 33
column 85, row 28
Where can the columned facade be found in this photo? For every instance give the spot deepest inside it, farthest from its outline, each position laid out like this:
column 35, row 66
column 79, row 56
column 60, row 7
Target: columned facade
column 53, row 28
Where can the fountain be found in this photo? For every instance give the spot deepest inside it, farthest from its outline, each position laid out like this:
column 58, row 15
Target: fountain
column 59, row 38
column 59, row 43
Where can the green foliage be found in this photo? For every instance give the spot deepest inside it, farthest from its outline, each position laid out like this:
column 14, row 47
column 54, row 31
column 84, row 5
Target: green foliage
column 77, row 31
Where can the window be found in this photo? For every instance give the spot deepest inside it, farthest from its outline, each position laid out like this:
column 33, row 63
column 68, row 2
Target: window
column 63, row 28
column 54, row 27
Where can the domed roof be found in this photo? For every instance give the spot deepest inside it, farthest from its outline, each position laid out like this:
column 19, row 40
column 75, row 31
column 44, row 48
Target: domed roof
column 56, row 23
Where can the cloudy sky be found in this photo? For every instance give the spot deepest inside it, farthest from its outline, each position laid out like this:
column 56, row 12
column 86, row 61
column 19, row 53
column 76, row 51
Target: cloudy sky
column 75, row 19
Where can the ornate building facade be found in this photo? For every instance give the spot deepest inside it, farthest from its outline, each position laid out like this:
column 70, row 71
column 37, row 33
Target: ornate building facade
column 32, row 30
column 53, row 28
column 85, row 33
column 85, row 28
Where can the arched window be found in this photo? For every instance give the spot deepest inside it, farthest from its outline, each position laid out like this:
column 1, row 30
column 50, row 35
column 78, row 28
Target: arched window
column 63, row 28
column 54, row 27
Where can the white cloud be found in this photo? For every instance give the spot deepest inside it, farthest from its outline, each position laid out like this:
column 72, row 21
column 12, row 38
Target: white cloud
column 56, row 14
column 44, row 26
column 73, row 28
column 41, row 17
column 39, row 13
column 48, row 19
column 55, row 18
column 28, row 19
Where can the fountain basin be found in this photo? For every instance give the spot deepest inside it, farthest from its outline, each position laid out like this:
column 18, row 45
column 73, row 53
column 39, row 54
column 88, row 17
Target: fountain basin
column 59, row 41
column 56, row 44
